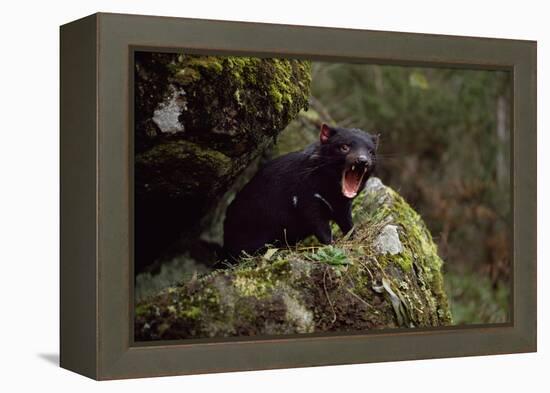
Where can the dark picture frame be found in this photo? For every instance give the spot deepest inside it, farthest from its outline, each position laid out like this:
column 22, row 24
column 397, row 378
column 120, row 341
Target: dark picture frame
column 96, row 181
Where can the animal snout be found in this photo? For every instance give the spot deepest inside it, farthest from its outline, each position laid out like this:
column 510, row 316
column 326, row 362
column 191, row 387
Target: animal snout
column 363, row 160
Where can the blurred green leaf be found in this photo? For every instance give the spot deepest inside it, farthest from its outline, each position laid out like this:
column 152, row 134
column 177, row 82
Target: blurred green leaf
column 331, row 255
column 418, row 79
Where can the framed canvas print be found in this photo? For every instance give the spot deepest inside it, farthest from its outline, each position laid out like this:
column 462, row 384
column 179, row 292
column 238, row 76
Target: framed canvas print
column 241, row 196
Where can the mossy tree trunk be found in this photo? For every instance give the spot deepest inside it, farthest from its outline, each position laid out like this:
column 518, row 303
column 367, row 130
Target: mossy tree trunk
column 387, row 275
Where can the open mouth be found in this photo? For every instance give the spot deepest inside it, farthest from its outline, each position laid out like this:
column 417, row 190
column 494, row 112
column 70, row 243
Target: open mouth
column 351, row 180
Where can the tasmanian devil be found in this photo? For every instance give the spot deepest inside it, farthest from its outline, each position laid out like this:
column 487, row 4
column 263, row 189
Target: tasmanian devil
column 298, row 194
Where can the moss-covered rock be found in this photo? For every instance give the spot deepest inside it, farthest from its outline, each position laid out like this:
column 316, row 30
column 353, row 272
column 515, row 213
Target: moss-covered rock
column 387, row 275
column 200, row 121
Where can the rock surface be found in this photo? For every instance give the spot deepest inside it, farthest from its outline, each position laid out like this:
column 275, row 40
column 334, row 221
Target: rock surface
column 388, row 241
column 200, row 121
column 354, row 285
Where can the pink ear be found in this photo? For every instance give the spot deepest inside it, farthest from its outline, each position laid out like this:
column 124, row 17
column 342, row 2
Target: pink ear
column 325, row 133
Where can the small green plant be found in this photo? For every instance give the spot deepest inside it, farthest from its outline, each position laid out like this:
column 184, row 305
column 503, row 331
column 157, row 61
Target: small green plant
column 331, row 255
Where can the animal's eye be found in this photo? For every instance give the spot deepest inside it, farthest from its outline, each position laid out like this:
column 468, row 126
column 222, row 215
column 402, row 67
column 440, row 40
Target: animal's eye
column 344, row 148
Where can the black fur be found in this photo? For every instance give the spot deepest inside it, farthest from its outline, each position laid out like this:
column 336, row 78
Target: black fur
column 298, row 194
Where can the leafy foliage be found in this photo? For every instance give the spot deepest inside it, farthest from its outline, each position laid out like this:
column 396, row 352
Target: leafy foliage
column 330, row 255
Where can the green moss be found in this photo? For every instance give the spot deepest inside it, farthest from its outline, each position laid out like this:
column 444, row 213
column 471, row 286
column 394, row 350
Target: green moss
column 285, row 85
column 418, row 284
column 259, row 281
column 418, row 245
column 141, row 310
column 233, row 108
column 182, row 150
column 187, row 75
column 252, row 286
column 193, row 312
column 243, row 69
column 276, row 97
column 185, row 167
column 284, row 81
column 302, row 289
column 188, row 68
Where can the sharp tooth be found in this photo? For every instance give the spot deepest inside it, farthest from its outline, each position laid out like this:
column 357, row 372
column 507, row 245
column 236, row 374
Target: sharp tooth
column 353, row 167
